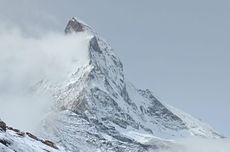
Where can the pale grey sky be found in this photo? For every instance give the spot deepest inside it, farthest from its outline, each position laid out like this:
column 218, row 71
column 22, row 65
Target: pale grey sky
column 178, row 49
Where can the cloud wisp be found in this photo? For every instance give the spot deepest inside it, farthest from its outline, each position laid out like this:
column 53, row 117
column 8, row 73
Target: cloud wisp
column 26, row 60
column 199, row 145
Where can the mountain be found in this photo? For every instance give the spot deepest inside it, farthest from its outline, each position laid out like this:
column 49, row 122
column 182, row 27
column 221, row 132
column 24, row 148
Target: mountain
column 97, row 109
column 14, row 140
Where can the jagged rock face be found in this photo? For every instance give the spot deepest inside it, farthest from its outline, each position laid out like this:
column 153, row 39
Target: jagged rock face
column 100, row 110
column 73, row 26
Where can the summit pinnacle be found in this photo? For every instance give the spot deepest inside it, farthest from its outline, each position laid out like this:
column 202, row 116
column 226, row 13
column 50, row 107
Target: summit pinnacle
column 74, row 26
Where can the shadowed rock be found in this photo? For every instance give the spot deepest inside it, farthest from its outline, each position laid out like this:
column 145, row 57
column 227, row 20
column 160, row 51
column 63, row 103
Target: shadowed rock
column 2, row 126
column 74, row 26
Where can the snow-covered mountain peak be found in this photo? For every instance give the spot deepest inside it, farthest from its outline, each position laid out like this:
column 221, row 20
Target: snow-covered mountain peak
column 102, row 60
column 100, row 110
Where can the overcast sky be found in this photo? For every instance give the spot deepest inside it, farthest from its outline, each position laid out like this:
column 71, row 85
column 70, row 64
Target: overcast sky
column 178, row 49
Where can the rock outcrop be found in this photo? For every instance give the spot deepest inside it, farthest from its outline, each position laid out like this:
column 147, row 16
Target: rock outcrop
column 2, row 125
column 15, row 140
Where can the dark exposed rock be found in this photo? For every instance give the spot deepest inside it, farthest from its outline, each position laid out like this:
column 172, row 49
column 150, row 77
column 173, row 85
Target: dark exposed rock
column 94, row 44
column 5, row 142
column 15, row 130
column 32, row 136
column 22, row 134
column 47, row 142
column 73, row 26
column 2, row 125
column 18, row 132
column 50, row 143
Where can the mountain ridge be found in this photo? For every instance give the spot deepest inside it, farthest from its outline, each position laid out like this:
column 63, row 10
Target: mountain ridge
column 12, row 139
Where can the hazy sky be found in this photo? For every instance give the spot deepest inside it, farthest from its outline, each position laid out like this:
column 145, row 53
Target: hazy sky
column 178, row 49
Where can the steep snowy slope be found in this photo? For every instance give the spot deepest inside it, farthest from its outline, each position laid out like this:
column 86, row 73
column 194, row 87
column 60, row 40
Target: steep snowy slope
column 13, row 140
column 97, row 109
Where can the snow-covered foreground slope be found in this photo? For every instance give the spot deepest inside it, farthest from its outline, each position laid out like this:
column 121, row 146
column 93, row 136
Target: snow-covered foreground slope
column 98, row 110
column 14, row 140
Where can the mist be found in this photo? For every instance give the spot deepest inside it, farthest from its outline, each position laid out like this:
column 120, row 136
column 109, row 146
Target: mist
column 24, row 61
column 199, row 145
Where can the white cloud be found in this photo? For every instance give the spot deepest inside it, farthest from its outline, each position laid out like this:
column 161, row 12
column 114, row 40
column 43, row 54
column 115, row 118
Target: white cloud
column 24, row 61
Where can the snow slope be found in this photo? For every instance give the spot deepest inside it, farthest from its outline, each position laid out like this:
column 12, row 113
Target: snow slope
column 13, row 140
column 98, row 110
